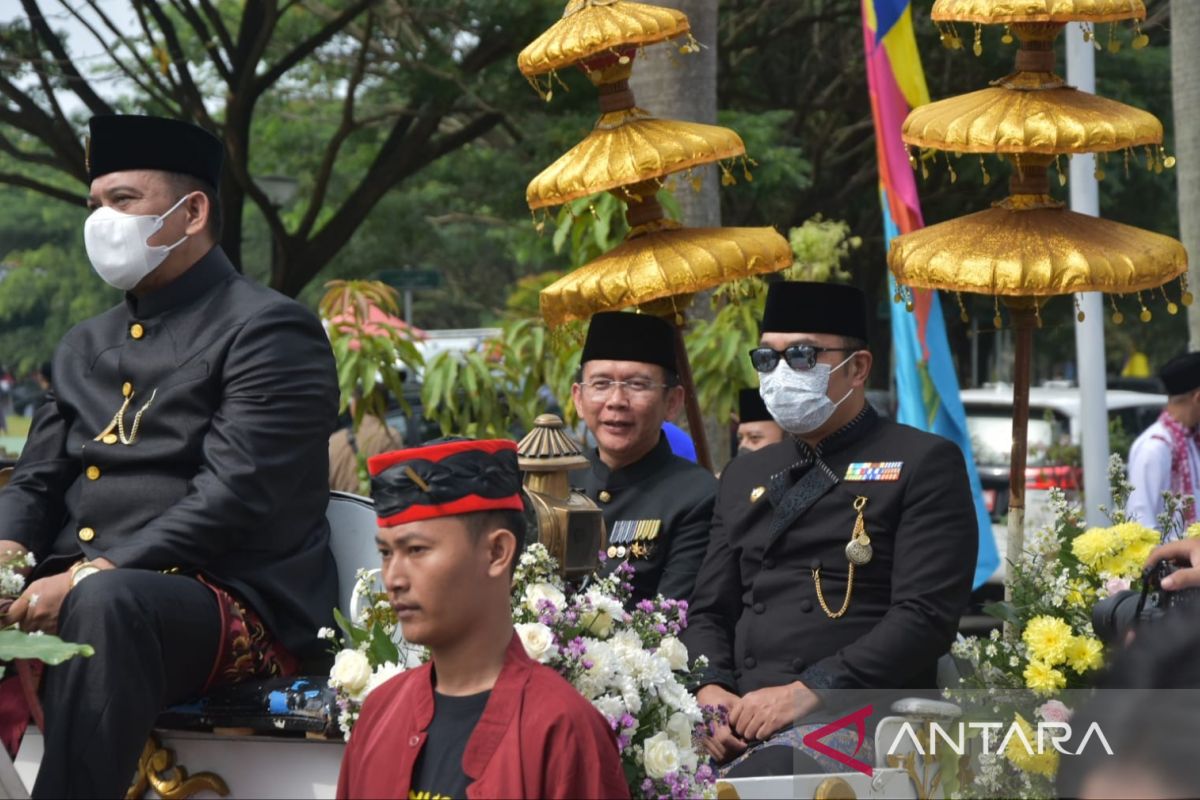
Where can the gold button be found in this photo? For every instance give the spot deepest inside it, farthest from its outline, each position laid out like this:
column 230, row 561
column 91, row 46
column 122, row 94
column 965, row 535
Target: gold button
column 604, row 497
column 109, row 438
column 93, row 473
column 137, row 331
column 127, row 388
column 86, row 534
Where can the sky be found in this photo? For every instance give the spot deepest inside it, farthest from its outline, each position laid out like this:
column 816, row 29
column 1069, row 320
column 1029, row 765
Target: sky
column 83, row 47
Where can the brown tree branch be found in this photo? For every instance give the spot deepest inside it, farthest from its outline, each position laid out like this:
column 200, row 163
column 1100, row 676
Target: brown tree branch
column 156, row 89
column 179, row 59
column 188, row 12
column 47, row 189
column 346, row 126
column 305, row 48
column 77, row 83
column 218, row 24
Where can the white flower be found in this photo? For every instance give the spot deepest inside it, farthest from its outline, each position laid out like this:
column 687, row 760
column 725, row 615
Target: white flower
column 536, row 592
column 325, row 633
column 598, row 612
column 382, row 674
column 351, row 672
column 538, row 641
column 660, row 755
column 611, row 706
column 680, row 729
column 675, row 652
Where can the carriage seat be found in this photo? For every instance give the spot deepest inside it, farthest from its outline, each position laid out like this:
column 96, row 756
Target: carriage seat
column 299, row 704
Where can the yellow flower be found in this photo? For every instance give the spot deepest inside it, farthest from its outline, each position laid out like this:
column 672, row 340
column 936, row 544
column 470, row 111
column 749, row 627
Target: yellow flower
column 1047, row 639
column 1078, row 595
column 1133, row 533
column 1193, row 531
column 1095, row 544
column 1043, row 679
column 1085, row 653
column 1023, row 753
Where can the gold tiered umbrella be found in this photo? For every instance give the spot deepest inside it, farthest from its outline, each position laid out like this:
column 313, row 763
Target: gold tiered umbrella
column 1029, row 246
column 660, row 265
column 626, row 147
column 991, row 12
column 591, row 28
column 663, row 265
column 1051, row 121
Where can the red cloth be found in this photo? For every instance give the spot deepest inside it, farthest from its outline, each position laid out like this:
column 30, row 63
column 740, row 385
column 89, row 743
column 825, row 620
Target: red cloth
column 538, row 737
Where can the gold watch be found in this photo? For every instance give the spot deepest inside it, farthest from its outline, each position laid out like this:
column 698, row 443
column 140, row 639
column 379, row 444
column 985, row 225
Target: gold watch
column 82, row 570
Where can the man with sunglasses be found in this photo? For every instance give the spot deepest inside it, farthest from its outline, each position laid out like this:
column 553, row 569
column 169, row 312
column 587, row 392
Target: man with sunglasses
column 656, row 505
column 840, row 558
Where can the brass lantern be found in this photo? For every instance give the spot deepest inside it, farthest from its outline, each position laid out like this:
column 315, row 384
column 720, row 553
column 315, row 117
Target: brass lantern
column 569, row 524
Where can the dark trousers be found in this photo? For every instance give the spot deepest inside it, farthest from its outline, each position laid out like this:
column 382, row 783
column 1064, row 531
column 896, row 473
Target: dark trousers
column 155, row 637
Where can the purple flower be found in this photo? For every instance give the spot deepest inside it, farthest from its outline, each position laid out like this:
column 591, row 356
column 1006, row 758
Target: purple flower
column 647, row 786
column 587, row 663
column 646, row 605
column 627, row 721
column 662, row 629
column 603, row 556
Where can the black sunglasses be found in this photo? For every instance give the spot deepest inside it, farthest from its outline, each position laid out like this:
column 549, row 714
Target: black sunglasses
column 799, row 356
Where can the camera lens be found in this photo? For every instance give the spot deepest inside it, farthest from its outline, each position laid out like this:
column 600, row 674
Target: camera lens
column 1114, row 616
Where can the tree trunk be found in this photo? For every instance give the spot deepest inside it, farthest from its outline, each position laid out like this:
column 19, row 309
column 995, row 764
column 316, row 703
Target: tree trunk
column 672, row 85
column 1185, row 86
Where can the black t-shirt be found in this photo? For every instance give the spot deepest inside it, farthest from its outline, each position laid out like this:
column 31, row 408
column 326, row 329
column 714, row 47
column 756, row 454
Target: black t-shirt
column 438, row 774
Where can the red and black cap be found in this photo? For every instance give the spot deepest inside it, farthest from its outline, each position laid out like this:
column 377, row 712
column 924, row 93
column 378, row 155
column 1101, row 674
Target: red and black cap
column 444, row 479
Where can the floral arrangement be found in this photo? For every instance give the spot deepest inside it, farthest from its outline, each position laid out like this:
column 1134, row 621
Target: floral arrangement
column 1048, row 646
column 631, row 665
column 15, row 643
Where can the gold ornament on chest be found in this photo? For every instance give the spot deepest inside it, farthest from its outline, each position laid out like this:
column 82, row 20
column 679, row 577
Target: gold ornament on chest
column 858, row 553
column 117, row 424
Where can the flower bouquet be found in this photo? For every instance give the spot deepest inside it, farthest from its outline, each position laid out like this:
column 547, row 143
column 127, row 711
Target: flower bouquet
column 1047, row 646
column 16, row 643
column 631, row 665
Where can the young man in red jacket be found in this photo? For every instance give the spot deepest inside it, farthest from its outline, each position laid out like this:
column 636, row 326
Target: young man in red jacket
column 481, row 719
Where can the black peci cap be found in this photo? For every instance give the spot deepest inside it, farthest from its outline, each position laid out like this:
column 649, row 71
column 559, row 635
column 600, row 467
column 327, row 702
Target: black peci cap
column 622, row 336
column 805, row 307
column 127, row 141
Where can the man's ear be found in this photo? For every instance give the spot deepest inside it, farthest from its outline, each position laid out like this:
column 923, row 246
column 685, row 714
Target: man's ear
column 502, row 549
column 861, row 366
column 197, row 209
column 674, row 401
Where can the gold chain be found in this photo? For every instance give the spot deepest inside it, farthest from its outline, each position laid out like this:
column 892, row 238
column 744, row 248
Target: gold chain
column 118, row 421
column 821, row 595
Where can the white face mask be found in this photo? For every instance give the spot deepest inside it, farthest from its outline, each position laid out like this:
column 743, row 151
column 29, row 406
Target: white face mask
column 116, row 244
column 798, row 399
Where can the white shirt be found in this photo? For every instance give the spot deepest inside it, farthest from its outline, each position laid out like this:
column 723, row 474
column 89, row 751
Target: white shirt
column 1150, row 474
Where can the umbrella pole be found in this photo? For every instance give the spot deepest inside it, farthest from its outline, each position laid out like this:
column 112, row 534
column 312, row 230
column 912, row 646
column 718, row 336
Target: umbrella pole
column 690, row 401
column 1024, row 321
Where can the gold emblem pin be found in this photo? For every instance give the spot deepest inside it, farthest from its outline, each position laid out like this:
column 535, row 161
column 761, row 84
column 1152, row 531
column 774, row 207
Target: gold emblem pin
column 757, row 492
column 612, row 551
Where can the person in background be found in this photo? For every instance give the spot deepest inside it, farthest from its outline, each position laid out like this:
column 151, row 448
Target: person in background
column 681, row 443
column 756, row 428
column 481, row 718
column 347, row 446
column 1166, row 456
column 656, row 505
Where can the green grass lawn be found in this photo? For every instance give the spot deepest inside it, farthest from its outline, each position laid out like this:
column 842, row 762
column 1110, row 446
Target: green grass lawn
column 14, row 440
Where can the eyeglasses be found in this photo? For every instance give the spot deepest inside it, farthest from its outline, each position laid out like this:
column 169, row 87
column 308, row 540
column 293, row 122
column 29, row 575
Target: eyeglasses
column 601, row 388
column 800, row 357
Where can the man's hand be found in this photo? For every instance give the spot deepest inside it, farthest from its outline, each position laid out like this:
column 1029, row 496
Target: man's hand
column 38, row 606
column 723, row 745
column 1184, row 550
column 764, row 712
